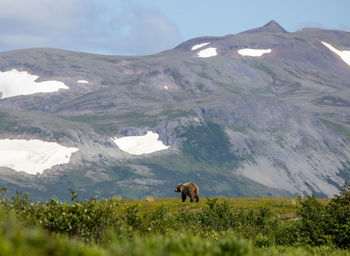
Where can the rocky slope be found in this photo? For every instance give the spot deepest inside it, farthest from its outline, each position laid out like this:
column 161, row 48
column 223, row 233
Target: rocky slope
column 271, row 120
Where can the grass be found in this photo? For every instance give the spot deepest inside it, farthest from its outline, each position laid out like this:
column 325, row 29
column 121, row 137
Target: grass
column 284, row 208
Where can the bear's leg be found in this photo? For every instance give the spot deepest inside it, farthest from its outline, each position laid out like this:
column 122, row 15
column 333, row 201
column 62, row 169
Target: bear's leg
column 191, row 199
column 183, row 197
column 197, row 199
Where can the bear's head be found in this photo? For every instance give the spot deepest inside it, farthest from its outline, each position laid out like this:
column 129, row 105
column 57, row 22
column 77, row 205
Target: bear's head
column 179, row 188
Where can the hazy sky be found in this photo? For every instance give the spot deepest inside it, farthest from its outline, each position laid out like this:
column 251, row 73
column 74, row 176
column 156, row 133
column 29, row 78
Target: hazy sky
column 139, row 27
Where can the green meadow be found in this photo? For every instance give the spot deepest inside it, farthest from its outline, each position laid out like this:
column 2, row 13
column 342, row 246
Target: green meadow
column 214, row 226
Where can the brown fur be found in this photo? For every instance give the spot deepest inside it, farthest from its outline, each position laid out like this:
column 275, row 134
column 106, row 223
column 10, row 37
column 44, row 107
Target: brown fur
column 190, row 190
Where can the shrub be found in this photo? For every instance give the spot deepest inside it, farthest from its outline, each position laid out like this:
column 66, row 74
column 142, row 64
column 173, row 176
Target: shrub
column 16, row 239
column 338, row 218
column 87, row 220
column 317, row 223
column 326, row 224
column 313, row 216
column 217, row 216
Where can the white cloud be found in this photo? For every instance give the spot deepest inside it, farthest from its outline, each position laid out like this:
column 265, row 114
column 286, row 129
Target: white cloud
column 136, row 28
column 300, row 26
column 36, row 17
column 121, row 28
column 344, row 27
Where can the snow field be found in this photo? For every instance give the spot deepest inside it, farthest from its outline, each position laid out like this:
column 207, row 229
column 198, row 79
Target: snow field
column 14, row 83
column 344, row 55
column 33, row 156
column 206, row 53
column 197, row 46
column 253, row 52
column 83, row 82
column 138, row 145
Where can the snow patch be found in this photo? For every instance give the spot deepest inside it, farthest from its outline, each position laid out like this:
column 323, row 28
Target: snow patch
column 253, row 52
column 166, row 87
column 14, row 83
column 138, row 145
column 206, row 53
column 83, row 82
column 197, row 46
column 33, row 156
column 344, row 55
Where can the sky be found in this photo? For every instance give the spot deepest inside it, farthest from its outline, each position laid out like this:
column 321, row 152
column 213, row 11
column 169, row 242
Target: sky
column 142, row 27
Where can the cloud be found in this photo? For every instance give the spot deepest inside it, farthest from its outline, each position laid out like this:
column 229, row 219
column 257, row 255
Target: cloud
column 344, row 27
column 136, row 28
column 320, row 25
column 120, row 28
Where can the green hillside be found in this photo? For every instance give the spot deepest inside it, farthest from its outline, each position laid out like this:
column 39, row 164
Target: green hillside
column 214, row 226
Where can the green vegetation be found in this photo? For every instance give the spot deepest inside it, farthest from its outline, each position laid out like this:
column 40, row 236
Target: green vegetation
column 209, row 144
column 109, row 123
column 224, row 226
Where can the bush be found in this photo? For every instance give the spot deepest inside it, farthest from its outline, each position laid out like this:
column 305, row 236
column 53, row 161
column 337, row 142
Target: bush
column 318, row 224
column 326, row 224
column 16, row 239
column 312, row 216
column 218, row 216
column 87, row 220
column 338, row 218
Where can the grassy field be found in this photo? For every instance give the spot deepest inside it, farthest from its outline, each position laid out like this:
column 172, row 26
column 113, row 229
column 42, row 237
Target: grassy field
column 283, row 208
column 214, row 226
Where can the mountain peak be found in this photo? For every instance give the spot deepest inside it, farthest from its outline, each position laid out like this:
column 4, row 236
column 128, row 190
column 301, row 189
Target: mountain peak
column 273, row 26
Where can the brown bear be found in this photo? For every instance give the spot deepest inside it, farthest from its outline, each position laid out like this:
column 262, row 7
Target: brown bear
column 188, row 189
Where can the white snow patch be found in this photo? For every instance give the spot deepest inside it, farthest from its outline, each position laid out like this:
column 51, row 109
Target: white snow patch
column 138, row 145
column 33, row 156
column 14, row 83
column 206, row 53
column 253, row 52
column 197, row 46
column 83, row 81
column 166, row 87
column 344, row 55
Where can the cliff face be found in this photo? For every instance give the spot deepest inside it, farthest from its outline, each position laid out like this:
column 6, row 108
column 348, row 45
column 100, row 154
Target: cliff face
column 260, row 113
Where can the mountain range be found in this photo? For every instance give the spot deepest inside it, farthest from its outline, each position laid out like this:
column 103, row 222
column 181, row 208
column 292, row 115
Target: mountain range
column 261, row 113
